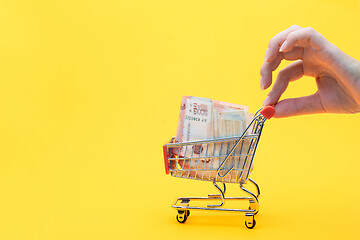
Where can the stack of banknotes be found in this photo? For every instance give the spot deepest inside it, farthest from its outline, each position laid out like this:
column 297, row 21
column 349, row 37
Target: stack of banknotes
column 207, row 119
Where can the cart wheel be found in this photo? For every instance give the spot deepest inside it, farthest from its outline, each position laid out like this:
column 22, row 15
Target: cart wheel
column 187, row 213
column 250, row 224
column 181, row 218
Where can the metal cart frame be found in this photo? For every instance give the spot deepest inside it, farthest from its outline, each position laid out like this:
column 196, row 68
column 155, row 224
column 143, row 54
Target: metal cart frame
column 233, row 160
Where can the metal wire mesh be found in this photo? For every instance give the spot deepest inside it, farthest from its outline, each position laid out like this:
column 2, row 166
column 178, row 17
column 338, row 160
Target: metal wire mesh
column 227, row 160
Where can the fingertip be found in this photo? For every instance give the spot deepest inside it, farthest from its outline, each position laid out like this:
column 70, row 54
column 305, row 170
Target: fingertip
column 267, row 85
column 265, row 76
column 287, row 46
column 277, row 111
column 263, row 84
column 266, row 101
column 286, row 108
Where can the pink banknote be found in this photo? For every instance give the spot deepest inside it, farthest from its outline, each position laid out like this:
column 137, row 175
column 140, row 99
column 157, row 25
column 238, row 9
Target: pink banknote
column 205, row 119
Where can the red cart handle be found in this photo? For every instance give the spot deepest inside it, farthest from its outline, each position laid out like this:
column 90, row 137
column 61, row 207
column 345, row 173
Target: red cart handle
column 268, row 112
column 166, row 156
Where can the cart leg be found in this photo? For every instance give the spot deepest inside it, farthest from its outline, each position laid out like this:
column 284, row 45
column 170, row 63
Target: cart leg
column 252, row 206
column 222, row 195
column 254, row 202
column 256, row 186
column 218, row 195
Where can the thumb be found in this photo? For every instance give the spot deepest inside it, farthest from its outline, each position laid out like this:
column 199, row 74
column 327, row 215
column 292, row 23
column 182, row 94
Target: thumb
column 299, row 106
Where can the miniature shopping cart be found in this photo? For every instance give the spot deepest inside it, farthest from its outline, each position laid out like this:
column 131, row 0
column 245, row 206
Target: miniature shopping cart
column 222, row 160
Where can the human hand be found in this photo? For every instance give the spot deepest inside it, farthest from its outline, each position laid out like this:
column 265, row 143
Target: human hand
column 337, row 75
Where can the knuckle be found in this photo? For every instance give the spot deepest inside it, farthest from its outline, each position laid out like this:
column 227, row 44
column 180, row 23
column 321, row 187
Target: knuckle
column 310, row 30
column 272, row 41
column 295, row 27
column 275, row 40
column 282, row 75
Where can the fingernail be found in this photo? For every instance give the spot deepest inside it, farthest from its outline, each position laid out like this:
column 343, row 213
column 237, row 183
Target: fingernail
column 267, row 54
column 282, row 47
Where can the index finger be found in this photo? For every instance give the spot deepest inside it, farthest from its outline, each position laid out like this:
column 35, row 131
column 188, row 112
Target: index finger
column 276, row 42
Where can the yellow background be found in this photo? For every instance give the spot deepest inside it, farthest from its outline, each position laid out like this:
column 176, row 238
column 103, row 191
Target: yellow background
column 90, row 91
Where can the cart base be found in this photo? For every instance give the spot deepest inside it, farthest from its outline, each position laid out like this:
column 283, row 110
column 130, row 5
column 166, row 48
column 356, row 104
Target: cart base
column 182, row 204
